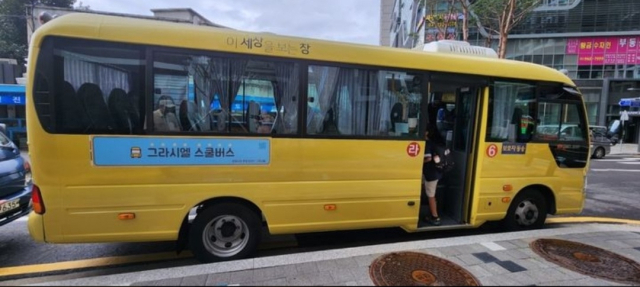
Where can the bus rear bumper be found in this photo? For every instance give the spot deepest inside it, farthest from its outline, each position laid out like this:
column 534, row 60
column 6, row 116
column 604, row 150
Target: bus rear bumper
column 36, row 227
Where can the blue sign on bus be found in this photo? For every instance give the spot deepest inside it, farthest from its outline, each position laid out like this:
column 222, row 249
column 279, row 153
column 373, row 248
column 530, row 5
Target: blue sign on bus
column 168, row 151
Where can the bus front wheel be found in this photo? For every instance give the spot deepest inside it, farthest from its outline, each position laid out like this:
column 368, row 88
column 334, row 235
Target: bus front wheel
column 225, row 231
column 527, row 211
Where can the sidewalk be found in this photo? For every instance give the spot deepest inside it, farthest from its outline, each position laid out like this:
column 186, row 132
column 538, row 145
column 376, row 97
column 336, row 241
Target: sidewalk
column 488, row 259
column 630, row 149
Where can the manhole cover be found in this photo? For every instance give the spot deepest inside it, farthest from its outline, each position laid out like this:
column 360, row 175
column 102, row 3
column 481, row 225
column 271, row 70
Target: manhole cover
column 588, row 260
column 418, row 269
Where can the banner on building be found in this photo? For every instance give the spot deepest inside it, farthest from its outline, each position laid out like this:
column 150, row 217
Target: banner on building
column 441, row 27
column 617, row 50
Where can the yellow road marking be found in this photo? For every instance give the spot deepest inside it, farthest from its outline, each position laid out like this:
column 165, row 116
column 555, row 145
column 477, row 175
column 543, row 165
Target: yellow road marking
column 121, row 260
column 586, row 219
column 87, row 263
column 116, row 260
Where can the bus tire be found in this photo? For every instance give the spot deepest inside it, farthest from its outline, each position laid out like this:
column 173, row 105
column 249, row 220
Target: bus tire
column 527, row 211
column 225, row 231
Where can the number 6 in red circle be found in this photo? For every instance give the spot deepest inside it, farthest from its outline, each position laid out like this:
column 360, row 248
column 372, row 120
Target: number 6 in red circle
column 492, row 150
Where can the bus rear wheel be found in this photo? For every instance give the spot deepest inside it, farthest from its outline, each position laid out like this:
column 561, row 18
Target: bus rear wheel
column 223, row 232
column 527, row 211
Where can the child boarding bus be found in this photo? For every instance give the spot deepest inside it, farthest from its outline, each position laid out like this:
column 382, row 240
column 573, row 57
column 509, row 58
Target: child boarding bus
column 133, row 123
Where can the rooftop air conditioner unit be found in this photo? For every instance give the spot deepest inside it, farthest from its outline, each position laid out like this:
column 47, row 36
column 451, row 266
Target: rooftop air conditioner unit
column 457, row 47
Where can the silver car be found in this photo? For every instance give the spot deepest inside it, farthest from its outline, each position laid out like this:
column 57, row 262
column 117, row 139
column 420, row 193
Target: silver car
column 600, row 143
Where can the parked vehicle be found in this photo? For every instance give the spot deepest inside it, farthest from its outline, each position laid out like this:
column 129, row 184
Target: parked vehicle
column 15, row 182
column 600, row 142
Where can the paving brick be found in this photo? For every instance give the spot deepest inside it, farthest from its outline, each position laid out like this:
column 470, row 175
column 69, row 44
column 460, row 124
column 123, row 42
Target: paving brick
column 521, row 243
column 547, row 275
column 478, row 271
column 165, row 282
column 326, row 265
column 501, row 280
column 198, row 280
column 487, row 281
column 472, row 248
column 521, row 277
column 495, row 269
column 365, row 282
column 298, row 280
column 238, row 277
column 217, row 279
column 456, row 260
column 632, row 242
column 366, row 260
column 346, row 263
column 532, row 264
column 511, row 266
column 360, row 273
column 309, row 267
column 450, row 251
column 469, row 259
column 518, row 254
column 571, row 274
column 343, row 275
column 486, row 257
column 322, row 278
column 507, row 244
column 434, row 252
column 269, row 273
column 501, row 255
column 275, row 282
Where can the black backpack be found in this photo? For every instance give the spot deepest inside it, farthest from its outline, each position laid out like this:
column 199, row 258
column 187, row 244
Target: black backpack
column 446, row 163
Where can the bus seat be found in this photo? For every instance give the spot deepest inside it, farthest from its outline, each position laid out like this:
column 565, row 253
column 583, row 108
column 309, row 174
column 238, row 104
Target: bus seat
column 122, row 111
column 396, row 115
column 74, row 118
column 98, row 112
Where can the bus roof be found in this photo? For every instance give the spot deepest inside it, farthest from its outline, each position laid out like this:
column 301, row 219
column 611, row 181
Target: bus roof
column 160, row 33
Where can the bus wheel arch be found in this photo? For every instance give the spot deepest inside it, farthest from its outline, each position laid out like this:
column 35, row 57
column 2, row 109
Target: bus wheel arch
column 529, row 208
column 225, row 228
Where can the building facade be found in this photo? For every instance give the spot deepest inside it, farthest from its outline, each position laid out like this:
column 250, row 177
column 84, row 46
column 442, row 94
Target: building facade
column 596, row 41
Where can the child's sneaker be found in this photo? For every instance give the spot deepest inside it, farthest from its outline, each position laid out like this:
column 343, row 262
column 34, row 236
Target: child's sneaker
column 435, row 221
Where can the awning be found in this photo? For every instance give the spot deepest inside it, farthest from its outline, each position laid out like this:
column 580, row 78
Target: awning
column 12, row 94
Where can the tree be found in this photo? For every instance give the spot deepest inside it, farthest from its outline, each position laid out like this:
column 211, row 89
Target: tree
column 498, row 17
column 13, row 25
column 464, row 6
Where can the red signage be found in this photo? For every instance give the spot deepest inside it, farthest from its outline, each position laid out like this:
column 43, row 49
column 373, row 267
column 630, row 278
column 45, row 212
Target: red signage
column 605, row 50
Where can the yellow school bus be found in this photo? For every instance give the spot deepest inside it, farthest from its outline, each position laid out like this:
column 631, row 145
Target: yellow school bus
column 134, row 123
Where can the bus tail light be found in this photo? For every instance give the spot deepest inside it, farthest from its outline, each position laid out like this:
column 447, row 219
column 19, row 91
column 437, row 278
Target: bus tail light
column 36, row 199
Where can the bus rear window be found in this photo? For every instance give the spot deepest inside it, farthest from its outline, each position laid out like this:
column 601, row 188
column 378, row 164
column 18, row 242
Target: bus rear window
column 90, row 87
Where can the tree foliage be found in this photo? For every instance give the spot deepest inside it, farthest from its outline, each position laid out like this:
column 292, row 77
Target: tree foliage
column 499, row 17
column 13, row 25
